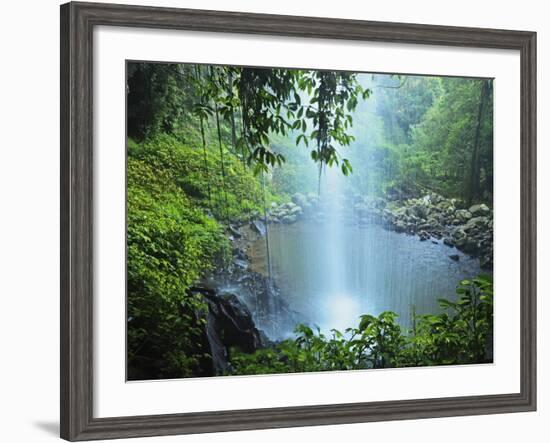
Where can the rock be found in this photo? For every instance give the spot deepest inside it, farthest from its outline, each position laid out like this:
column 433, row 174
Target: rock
column 273, row 205
column 420, row 211
column 477, row 222
column 258, row 226
column 234, row 231
column 435, row 242
column 288, row 219
column 481, row 209
column 462, row 215
column 240, row 263
column 448, row 241
column 424, row 236
column 470, row 246
column 229, row 324
column 296, row 210
column 458, row 234
column 454, row 257
column 239, row 253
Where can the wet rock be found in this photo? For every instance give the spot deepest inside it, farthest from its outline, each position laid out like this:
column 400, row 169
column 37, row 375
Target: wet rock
column 470, row 246
column 448, row 241
column 239, row 253
column 454, row 257
column 240, row 263
column 288, row 219
column 462, row 215
column 423, row 236
column 295, row 210
column 229, row 324
column 234, row 231
column 478, row 210
column 420, row 211
column 258, row 226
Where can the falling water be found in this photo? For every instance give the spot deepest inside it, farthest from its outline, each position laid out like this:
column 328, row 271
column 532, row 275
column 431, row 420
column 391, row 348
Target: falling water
column 332, row 270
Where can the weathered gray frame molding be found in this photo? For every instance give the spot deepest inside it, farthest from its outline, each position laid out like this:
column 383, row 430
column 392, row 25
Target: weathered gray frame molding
column 77, row 23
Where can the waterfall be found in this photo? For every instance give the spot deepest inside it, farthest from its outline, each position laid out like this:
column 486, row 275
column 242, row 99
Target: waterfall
column 339, row 306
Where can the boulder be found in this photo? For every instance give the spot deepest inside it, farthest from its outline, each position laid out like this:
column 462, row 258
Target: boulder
column 234, row 231
column 454, row 257
column 288, row 219
column 470, row 246
column 296, row 210
column 229, row 324
column 478, row 210
column 448, row 241
column 258, row 226
column 463, row 215
column 420, row 210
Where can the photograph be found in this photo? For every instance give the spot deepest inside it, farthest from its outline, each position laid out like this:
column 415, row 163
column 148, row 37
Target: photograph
column 294, row 220
column 242, row 222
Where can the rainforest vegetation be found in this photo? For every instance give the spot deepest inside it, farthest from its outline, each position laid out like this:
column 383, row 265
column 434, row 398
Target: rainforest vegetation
column 222, row 159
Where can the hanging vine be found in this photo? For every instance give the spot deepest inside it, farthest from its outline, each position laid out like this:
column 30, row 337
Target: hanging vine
column 201, row 113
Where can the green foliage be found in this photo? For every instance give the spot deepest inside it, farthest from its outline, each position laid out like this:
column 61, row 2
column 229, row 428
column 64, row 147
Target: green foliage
column 461, row 334
column 170, row 244
column 194, row 172
column 419, row 134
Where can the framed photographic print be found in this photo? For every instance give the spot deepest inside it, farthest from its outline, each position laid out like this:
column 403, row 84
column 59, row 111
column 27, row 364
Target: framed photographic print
column 273, row 221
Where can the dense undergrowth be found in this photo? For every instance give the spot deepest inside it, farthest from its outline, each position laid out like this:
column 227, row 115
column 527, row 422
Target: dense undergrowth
column 176, row 217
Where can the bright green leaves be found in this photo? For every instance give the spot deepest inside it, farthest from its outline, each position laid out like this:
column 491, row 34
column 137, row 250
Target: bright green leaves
column 346, row 167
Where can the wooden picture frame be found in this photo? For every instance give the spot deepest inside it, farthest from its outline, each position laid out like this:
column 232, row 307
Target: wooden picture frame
column 77, row 23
